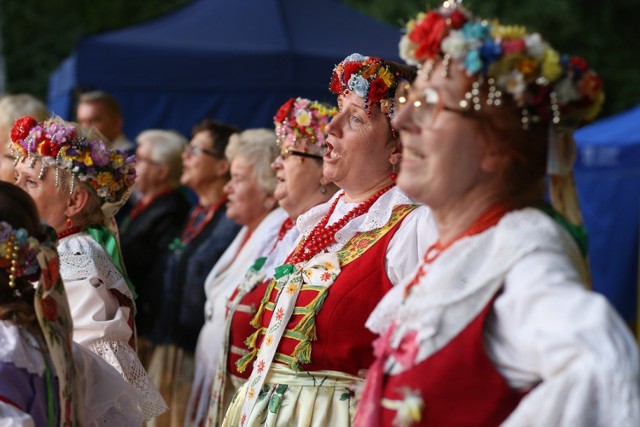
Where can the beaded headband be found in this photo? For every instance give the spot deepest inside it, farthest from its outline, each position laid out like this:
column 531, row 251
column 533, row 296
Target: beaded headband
column 547, row 87
column 18, row 253
column 64, row 145
column 303, row 118
column 372, row 79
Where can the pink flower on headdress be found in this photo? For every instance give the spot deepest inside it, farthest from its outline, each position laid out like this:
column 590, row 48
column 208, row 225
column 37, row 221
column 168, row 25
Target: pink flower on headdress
column 428, row 35
column 510, row 46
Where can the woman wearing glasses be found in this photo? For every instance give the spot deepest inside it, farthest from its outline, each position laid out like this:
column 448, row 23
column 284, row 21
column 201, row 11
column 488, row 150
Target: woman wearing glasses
column 251, row 204
column 206, row 235
column 496, row 326
column 299, row 185
column 311, row 346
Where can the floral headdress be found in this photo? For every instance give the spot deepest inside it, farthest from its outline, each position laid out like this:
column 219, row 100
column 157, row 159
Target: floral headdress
column 372, row 79
column 303, row 118
column 64, row 145
column 18, row 253
column 548, row 87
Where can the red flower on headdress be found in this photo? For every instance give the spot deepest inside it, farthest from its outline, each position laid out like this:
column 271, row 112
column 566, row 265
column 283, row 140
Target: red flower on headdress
column 377, row 90
column 428, row 35
column 50, row 309
column 458, row 19
column 21, row 127
column 284, row 111
column 578, row 64
column 350, row 68
column 590, row 84
column 335, row 86
column 48, row 148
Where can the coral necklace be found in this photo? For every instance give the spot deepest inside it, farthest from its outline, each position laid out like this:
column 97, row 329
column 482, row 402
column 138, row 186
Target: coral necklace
column 322, row 236
column 488, row 219
column 69, row 231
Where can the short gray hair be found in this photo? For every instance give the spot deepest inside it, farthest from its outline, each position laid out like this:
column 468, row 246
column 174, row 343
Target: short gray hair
column 260, row 148
column 166, row 148
column 13, row 107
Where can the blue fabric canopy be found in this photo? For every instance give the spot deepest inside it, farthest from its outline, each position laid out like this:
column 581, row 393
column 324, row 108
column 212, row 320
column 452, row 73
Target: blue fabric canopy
column 233, row 61
column 607, row 175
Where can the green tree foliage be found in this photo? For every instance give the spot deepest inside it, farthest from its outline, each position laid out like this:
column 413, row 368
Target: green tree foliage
column 604, row 33
column 38, row 34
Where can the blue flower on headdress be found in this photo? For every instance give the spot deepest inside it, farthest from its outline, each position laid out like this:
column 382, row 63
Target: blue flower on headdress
column 475, row 31
column 490, row 51
column 472, row 62
column 359, row 85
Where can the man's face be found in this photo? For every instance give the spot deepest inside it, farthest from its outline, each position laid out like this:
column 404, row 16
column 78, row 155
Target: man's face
column 95, row 115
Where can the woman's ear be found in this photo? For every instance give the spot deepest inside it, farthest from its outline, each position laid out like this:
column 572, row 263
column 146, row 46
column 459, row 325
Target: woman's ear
column 77, row 201
column 222, row 167
column 495, row 161
column 396, row 154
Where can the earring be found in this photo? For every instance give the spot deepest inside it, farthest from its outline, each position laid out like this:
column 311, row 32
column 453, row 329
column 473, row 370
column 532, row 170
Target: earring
column 394, row 174
column 68, row 222
column 323, row 189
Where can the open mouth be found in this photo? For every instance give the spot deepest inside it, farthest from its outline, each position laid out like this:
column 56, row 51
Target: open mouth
column 409, row 154
column 330, row 154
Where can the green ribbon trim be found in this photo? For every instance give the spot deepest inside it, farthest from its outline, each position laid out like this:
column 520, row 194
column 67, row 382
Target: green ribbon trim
column 258, row 264
column 283, row 270
column 107, row 240
column 578, row 233
column 51, row 410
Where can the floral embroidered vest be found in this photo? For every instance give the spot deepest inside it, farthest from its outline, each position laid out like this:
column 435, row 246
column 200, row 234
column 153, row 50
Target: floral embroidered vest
column 327, row 329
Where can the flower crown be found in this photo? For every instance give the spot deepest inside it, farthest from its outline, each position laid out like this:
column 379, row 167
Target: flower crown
column 372, row 79
column 303, row 118
column 547, row 86
column 18, row 253
column 63, row 145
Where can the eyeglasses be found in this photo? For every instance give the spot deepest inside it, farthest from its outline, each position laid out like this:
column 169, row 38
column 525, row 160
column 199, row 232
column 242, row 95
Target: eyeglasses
column 425, row 105
column 194, row 150
column 286, row 152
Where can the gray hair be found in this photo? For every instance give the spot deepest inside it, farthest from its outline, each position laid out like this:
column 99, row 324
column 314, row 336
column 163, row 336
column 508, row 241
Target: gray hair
column 260, row 148
column 166, row 148
column 12, row 107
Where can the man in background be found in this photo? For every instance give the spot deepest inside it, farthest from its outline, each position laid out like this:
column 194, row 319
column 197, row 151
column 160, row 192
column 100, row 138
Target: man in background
column 101, row 110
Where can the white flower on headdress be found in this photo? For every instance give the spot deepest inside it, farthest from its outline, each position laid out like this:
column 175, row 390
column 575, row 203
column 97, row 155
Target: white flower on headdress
column 455, row 45
column 513, row 83
column 536, row 46
column 303, row 117
column 355, row 57
column 566, row 91
column 408, row 50
column 359, row 85
column 410, row 409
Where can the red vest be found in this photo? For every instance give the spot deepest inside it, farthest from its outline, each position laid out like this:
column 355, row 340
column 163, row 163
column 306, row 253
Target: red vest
column 326, row 330
column 459, row 384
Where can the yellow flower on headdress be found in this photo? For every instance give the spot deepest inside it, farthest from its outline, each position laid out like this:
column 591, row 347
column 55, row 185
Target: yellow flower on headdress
column 527, row 67
column 85, row 158
column 508, row 31
column 551, row 68
column 386, row 76
column 370, row 70
column 116, row 160
column 103, row 178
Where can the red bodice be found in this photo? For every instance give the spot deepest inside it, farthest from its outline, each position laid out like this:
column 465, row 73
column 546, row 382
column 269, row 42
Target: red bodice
column 459, row 384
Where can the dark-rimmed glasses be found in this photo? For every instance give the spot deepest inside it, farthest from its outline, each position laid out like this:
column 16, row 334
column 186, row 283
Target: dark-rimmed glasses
column 194, row 150
column 286, row 152
column 425, row 105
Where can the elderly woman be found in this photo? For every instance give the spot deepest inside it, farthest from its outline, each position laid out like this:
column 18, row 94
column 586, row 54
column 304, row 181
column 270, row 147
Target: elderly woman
column 204, row 238
column 36, row 330
column 72, row 177
column 154, row 221
column 311, row 344
column 299, row 185
column 251, row 203
column 496, row 326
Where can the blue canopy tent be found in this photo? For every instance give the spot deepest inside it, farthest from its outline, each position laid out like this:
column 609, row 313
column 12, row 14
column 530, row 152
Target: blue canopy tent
column 607, row 173
column 233, row 61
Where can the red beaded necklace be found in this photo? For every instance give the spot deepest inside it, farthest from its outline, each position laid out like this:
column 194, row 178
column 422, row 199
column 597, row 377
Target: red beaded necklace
column 322, row 236
column 141, row 206
column 488, row 219
column 69, row 231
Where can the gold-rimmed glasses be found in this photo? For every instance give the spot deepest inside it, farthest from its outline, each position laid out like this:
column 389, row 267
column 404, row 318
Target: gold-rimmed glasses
column 425, row 104
column 286, row 152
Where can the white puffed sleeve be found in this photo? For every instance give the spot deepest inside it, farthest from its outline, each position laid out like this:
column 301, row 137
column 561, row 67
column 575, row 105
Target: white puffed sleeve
column 566, row 344
column 10, row 416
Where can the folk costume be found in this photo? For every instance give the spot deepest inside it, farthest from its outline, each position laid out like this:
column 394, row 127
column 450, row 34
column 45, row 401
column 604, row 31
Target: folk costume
column 314, row 360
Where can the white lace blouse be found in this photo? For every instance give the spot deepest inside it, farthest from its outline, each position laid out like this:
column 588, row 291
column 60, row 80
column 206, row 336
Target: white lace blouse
column 100, row 323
